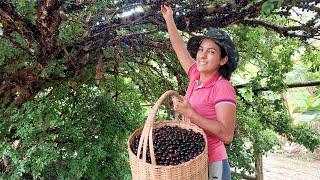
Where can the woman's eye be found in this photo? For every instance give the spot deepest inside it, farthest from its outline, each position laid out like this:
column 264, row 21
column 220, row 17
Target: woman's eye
column 211, row 52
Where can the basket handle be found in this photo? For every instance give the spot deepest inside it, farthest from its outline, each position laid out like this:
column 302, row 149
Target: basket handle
column 148, row 126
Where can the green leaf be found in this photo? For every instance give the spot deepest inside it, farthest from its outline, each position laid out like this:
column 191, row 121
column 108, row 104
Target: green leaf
column 267, row 7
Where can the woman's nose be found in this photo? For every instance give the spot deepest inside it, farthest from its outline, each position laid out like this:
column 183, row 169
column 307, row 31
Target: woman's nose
column 202, row 54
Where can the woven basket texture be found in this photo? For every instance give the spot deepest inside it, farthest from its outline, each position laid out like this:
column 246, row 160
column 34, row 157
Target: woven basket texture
column 194, row 169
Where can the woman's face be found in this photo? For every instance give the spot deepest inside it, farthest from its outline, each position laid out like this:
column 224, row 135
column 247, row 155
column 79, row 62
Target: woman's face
column 208, row 57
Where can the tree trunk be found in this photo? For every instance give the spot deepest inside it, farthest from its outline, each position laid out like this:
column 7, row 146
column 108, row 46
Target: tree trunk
column 259, row 167
column 284, row 98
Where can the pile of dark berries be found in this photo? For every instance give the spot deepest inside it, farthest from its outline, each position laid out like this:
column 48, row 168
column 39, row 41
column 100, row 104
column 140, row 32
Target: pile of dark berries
column 172, row 145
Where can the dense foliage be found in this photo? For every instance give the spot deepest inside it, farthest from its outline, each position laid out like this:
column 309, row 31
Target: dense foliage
column 70, row 134
column 75, row 76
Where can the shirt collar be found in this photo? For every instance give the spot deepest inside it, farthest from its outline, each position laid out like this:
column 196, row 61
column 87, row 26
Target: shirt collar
column 210, row 81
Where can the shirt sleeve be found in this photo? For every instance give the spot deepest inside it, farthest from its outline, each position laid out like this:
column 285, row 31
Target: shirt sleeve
column 224, row 93
column 193, row 73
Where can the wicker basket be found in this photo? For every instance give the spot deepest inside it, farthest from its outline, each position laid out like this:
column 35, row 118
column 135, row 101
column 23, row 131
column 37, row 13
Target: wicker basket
column 195, row 169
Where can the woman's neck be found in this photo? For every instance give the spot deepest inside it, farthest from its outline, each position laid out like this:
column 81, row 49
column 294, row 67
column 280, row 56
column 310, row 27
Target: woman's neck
column 205, row 76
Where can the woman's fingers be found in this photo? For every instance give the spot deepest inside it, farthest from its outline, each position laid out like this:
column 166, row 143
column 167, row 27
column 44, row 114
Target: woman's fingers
column 174, row 100
column 183, row 99
column 176, row 103
column 165, row 10
column 162, row 8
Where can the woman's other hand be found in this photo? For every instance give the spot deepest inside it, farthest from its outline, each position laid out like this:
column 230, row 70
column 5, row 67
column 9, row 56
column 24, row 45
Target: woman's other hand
column 182, row 106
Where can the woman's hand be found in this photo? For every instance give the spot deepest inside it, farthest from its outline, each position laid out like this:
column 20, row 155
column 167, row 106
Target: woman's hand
column 166, row 12
column 182, row 106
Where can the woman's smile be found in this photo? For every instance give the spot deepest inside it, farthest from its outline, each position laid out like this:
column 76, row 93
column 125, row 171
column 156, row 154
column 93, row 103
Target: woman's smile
column 203, row 62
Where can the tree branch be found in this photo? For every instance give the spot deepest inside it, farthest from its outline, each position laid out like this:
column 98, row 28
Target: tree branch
column 77, row 7
column 18, row 46
column 293, row 85
column 49, row 18
column 12, row 19
column 285, row 31
column 230, row 13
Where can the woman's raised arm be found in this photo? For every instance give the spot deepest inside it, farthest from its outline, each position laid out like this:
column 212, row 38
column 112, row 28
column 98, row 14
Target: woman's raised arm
column 177, row 42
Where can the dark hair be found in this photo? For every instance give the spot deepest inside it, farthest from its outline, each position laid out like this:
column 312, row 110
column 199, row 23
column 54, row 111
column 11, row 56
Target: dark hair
column 226, row 69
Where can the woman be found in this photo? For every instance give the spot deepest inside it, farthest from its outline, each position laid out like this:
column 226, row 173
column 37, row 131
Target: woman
column 210, row 100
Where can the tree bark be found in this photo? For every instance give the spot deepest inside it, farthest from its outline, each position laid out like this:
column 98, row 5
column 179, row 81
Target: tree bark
column 259, row 167
column 293, row 85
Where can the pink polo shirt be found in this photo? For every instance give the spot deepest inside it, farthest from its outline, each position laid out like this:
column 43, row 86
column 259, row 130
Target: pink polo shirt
column 204, row 98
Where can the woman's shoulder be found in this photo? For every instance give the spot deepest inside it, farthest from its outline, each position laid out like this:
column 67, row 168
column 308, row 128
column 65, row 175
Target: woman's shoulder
column 224, row 83
column 224, row 86
column 224, row 91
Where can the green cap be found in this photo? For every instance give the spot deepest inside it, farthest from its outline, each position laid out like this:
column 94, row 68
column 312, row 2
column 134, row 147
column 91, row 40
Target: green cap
column 220, row 37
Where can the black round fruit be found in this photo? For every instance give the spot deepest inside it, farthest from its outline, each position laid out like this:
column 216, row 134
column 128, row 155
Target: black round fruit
column 172, row 145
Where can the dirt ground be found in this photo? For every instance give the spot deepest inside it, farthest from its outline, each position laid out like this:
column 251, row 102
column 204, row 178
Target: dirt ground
column 294, row 162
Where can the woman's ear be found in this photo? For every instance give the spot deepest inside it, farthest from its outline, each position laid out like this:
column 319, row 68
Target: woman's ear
column 224, row 60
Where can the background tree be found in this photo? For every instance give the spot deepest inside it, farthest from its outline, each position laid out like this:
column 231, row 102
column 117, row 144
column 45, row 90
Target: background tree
column 74, row 75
